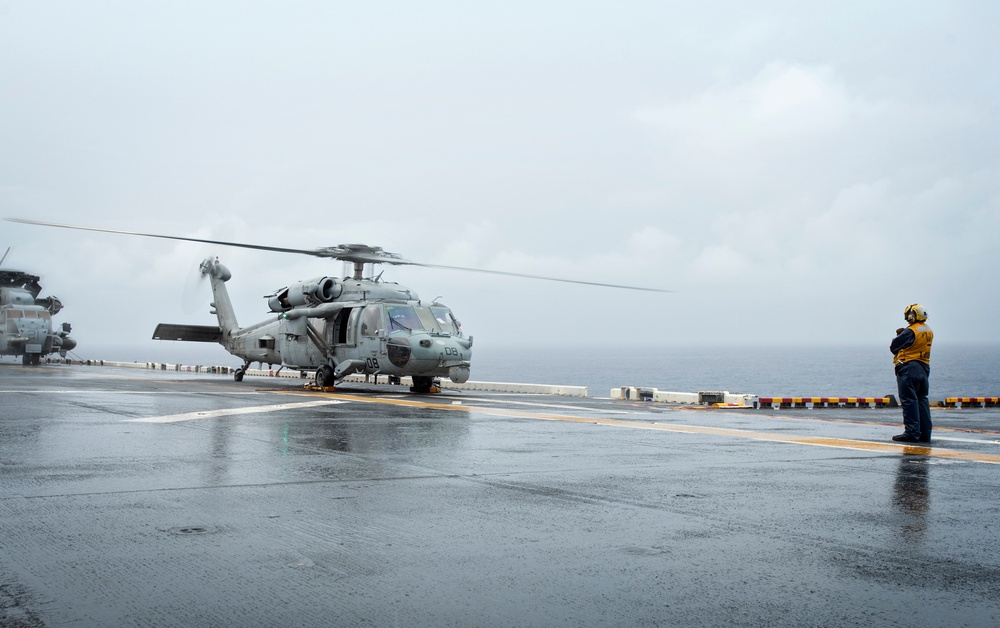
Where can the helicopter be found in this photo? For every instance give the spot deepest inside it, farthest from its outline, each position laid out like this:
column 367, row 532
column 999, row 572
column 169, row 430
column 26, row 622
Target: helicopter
column 338, row 326
column 26, row 319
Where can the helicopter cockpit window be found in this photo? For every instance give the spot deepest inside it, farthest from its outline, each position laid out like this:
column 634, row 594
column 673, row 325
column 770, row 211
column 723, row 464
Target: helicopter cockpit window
column 351, row 326
column 445, row 320
column 436, row 319
column 402, row 317
column 427, row 319
column 371, row 321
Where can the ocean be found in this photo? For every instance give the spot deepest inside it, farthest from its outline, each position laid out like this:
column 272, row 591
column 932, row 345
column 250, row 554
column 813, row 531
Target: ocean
column 766, row 371
column 858, row 371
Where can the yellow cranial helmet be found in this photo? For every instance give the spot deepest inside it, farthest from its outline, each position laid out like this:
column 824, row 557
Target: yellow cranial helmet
column 919, row 312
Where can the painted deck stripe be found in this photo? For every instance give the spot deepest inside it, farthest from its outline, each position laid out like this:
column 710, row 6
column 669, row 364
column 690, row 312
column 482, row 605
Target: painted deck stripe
column 839, row 443
column 981, row 441
column 72, row 391
column 209, row 414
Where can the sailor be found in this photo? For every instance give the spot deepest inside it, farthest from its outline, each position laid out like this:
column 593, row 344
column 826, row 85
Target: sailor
column 911, row 350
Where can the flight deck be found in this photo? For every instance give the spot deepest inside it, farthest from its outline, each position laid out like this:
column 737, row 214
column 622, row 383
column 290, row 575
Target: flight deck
column 134, row 497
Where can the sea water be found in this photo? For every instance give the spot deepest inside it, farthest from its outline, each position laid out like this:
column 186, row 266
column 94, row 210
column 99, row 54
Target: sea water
column 766, row 371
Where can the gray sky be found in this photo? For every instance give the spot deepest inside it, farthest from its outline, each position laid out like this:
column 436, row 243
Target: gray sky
column 797, row 172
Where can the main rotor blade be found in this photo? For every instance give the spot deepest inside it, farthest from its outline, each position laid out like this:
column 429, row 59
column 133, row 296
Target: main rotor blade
column 259, row 247
column 348, row 252
column 526, row 276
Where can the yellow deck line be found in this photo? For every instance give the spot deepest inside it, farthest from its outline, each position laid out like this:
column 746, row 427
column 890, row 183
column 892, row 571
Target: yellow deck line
column 839, row 443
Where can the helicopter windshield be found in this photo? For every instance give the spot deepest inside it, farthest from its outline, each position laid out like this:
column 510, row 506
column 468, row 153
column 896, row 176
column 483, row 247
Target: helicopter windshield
column 444, row 320
column 437, row 319
column 403, row 317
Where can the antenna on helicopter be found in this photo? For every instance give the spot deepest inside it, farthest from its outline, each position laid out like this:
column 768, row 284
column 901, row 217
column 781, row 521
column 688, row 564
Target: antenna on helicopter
column 4, row 256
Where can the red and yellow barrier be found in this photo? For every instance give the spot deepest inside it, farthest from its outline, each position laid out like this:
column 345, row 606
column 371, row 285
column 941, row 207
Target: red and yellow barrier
column 980, row 402
column 825, row 402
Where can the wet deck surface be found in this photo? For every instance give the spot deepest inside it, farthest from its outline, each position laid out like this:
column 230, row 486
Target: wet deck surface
column 136, row 498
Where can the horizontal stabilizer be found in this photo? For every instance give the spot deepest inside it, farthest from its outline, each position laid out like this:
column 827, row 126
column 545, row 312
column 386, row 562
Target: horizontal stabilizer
column 192, row 333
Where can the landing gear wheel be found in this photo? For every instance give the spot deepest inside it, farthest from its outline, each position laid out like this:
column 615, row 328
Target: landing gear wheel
column 238, row 374
column 324, row 376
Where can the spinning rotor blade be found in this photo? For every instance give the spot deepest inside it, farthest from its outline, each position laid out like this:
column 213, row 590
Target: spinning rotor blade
column 165, row 237
column 348, row 252
column 527, row 276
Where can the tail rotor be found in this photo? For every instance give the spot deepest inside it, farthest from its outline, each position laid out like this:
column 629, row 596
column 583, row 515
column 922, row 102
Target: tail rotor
column 196, row 293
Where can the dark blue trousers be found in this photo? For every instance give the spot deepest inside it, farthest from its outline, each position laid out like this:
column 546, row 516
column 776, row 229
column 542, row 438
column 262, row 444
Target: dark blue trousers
column 913, row 383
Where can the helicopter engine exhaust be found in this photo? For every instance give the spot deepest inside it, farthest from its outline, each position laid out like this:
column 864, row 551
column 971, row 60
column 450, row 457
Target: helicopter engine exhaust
column 312, row 292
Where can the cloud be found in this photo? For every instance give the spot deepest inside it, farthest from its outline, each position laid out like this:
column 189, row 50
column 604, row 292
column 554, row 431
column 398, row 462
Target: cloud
column 723, row 151
column 796, row 175
column 783, row 101
column 720, row 261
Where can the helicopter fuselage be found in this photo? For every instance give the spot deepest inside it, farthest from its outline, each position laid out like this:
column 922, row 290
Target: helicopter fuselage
column 339, row 327
column 26, row 320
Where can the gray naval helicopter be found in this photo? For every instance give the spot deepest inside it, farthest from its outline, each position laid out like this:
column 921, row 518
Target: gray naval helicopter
column 26, row 319
column 338, row 326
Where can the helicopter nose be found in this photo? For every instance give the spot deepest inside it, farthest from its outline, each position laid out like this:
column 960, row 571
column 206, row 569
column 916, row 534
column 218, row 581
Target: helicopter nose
column 442, row 353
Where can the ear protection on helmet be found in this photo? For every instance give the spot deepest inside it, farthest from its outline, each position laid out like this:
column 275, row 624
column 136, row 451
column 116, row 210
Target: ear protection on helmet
column 919, row 312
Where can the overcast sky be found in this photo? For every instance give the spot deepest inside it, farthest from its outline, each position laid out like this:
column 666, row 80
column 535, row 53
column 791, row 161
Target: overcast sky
column 796, row 172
